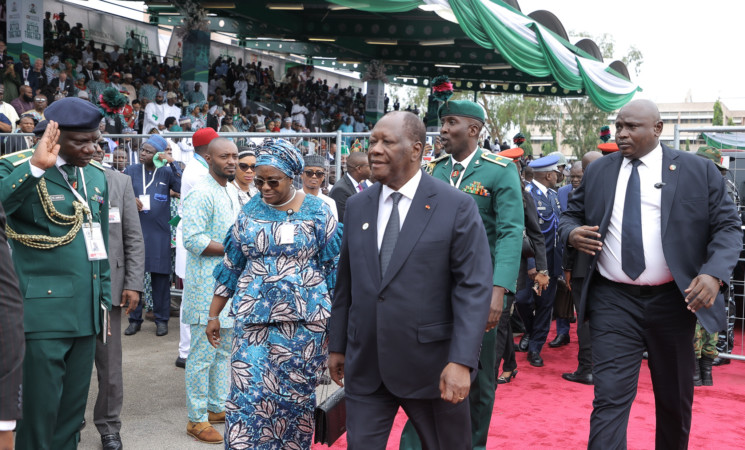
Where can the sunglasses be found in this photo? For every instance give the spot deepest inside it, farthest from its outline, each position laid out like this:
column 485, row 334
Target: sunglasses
column 317, row 173
column 258, row 182
column 245, row 167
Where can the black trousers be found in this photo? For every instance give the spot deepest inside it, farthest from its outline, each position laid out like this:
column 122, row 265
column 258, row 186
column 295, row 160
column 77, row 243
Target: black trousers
column 505, row 347
column 584, row 356
column 439, row 424
column 622, row 322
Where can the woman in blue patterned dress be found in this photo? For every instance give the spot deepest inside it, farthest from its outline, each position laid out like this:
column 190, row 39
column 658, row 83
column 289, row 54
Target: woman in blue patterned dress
column 279, row 271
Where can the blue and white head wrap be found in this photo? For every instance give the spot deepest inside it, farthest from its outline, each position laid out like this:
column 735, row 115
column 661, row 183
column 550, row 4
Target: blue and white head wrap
column 281, row 155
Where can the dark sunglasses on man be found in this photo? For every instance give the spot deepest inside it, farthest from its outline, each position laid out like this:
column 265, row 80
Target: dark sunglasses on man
column 317, row 173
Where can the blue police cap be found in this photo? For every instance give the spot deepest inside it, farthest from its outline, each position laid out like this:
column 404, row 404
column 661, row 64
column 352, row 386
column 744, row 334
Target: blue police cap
column 74, row 114
column 546, row 164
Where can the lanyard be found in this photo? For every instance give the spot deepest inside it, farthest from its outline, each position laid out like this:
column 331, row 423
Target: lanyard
column 145, row 186
column 77, row 194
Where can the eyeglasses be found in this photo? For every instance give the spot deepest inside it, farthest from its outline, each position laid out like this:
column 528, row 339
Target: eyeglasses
column 317, row 173
column 245, row 167
column 273, row 183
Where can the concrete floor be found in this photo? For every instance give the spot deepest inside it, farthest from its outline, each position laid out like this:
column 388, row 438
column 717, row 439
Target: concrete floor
column 154, row 412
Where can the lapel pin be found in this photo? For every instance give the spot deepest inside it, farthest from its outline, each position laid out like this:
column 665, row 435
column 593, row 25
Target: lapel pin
column 477, row 162
column 426, row 206
column 97, row 191
column 365, row 226
column 673, row 167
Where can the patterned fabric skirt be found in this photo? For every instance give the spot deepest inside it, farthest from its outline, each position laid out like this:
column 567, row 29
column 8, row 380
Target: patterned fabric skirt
column 274, row 371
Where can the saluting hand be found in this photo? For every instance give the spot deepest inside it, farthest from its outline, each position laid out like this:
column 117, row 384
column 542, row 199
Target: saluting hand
column 45, row 155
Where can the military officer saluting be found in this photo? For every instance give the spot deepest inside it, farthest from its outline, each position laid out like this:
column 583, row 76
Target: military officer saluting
column 534, row 309
column 57, row 204
column 495, row 186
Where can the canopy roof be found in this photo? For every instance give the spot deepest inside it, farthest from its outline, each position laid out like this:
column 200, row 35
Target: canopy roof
column 725, row 141
column 485, row 45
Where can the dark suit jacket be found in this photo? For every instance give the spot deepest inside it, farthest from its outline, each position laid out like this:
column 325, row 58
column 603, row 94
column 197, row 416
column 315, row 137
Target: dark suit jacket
column 430, row 307
column 37, row 80
column 533, row 232
column 126, row 245
column 342, row 190
column 563, row 194
column 12, row 338
column 700, row 227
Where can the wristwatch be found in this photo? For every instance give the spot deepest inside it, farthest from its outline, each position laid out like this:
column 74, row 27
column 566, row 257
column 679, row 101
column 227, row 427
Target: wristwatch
column 543, row 272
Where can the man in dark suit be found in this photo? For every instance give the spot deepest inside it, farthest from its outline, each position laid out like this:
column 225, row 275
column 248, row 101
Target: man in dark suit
column 12, row 343
column 664, row 238
column 127, row 257
column 409, row 312
column 575, row 265
column 354, row 181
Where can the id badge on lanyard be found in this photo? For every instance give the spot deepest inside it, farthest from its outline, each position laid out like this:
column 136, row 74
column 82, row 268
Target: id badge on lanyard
column 94, row 244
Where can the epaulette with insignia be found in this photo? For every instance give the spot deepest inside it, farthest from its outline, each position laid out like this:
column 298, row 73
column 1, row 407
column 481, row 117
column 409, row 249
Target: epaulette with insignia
column 432, row 164
column 18, row 158
column 97, row 165
column 491, row 157
column 528, row 187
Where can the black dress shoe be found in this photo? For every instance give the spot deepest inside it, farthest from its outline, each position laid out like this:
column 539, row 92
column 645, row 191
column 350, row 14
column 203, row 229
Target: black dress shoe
column 111, row 442
column 133, row 328
column 559, row 340
column 523, row 345
column 535, row 360
column 181, row 362
column 720, row 361
column 578, row 377
column 161, row 328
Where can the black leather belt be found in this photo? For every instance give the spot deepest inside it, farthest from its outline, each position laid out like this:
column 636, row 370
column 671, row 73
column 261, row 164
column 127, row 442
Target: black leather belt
column 636, row 289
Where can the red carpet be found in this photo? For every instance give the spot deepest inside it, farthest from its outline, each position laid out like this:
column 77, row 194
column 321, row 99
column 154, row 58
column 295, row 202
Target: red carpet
column 539, row 409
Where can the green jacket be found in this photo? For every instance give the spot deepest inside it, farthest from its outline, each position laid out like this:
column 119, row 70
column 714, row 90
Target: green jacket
column 495, row 185
column 62, row 290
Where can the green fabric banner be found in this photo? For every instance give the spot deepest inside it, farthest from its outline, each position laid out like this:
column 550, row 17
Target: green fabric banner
column 527, row 46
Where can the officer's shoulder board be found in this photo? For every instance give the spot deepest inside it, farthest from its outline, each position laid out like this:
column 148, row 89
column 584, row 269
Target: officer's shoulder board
column 97, row 165
column 18, row 158
column 492, row 158
column 529, row 187
column 432, row 164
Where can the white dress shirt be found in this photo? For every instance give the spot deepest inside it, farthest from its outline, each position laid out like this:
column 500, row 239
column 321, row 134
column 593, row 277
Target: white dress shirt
column 356, row 184
column 609, row 261
column 541, row 187
column 385, row 204
column 466, row 161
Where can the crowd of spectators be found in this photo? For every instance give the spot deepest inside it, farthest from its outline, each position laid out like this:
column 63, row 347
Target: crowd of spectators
column 239, row 97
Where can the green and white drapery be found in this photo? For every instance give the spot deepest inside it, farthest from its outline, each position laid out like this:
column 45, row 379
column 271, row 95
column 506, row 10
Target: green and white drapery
column 725, row 141
column 523, row 42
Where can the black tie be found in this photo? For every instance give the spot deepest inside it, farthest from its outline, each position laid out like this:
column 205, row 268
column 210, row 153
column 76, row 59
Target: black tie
column 390, row 236
column 632, row 244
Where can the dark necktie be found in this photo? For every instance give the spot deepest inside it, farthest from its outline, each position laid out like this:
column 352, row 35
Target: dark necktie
column 390, row 236
column 457, row 167
column 632, row 245
column 71, row 174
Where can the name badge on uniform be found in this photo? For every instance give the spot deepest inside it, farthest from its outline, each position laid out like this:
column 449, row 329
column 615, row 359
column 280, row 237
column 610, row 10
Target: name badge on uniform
column 94, row 244
column 57, row 198
column 286, row 234
column 114, row 216
column 145, row 200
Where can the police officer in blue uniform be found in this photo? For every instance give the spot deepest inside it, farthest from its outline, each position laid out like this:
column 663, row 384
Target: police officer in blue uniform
column 535, row 309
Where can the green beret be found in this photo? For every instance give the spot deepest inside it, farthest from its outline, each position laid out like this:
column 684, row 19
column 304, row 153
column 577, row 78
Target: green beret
column 463, row 108
column 713, row 154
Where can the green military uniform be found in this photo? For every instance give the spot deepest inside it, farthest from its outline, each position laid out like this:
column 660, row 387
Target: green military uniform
column 495, row 186
column 63, row 294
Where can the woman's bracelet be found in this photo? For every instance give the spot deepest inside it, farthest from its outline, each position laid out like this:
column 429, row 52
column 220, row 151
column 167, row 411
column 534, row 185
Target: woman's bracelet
column 209, row 319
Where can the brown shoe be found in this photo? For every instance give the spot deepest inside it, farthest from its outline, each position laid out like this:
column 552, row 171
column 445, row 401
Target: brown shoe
column 216, row 417
column 203, row 432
